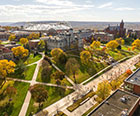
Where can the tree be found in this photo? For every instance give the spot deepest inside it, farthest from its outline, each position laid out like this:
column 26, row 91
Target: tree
column 103, row 90
column 0, row 42
column 85, row 56
column 46, row 71
column 24, row 41
column 59, row 56
column 72, row 67
column 39, row 93
column 12, row 37
column 113, row 44
column 41, row 44
column 115, row 84
column 136, row 44
column 58, row 75
column 120, row 41
column 95, row 44
column 11, row 91
column 33, row 36
column 6, row 67
column 20, row 52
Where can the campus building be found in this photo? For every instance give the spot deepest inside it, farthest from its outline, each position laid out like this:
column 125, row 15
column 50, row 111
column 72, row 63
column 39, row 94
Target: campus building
column 132, row 83
column 5, row 53
column 120, row 103
column 117, row 31
column 65, row 40
column 104, row 37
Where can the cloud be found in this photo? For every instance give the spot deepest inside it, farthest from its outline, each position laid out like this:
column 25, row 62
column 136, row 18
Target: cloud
column 124, row 9
column 105, row 5
column 37, row 12
column 56, row 2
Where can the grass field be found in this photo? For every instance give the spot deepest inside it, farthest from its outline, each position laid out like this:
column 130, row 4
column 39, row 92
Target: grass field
column 27, row 74
column 53, row 96
column 17, row 100
column 51, row 80
column 33, row 59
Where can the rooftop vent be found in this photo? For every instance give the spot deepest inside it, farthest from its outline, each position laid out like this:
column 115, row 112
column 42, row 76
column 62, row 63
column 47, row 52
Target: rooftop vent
column 124, row 112
column 123, row 99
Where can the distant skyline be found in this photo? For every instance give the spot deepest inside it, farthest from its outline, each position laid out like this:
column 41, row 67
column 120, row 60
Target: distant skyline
column 69, row 10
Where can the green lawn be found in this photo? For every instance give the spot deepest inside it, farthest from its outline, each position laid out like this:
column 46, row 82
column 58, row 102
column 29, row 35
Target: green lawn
column 27, row 74
column 17, row 100
column 119, row 54
column 52, row 80
column 53, row 96
column 33, row 59
column 85, row 71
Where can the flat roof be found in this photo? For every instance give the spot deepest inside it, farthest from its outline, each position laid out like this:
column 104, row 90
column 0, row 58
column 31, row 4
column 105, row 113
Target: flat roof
column 35, row 40
column 116, row 104
column 134, row 78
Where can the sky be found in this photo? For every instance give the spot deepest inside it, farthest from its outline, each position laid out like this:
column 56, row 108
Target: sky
column 69, row 10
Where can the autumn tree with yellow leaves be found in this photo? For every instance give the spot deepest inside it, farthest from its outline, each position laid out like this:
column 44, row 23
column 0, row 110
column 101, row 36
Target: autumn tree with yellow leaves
column 113, row 44
column 6, row 67
column 95, row 44
column 33, row 36
column 103, row 89
column 41, row 44
column 136, row 44
column 85, row 56
column 24, row 41
column 58, row 55
column 20, row 52
column 120, row 41
column 12, row 37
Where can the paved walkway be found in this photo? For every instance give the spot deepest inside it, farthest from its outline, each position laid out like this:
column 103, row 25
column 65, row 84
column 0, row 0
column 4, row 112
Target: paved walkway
column 28, row 96
column 65, row 75
column 117, row 70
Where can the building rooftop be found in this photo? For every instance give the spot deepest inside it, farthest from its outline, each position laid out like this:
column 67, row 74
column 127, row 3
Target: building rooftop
column 119, row 103
column 35, row 40
column 134, row 78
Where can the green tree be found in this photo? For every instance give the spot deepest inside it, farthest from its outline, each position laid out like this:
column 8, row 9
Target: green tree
column 39, row 93
column 72, row 67
column 58, row 75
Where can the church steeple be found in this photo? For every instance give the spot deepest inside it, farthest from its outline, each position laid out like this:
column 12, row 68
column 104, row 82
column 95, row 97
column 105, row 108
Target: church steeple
column 122, row 24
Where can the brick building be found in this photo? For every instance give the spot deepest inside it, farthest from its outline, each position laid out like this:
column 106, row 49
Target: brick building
column 5, row 53
column 117, row 31
column 132, row 83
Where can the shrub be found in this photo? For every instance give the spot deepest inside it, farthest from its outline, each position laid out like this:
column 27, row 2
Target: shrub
column 129, row 72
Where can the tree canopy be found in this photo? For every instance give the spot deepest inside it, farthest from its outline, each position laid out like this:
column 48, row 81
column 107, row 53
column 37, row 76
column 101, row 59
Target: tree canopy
column 136, row 44
column 103, row 90
column 24, row 41
column 20, row 52
column 85, row 56
column 113, row 44
column 95, row 44
column 6, row 67
column 39, row 93
column 12, row 37
column 59, row 56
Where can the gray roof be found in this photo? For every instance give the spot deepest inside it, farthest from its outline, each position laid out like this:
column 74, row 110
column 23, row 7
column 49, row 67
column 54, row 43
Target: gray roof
column 134, row 78
column 116, row 104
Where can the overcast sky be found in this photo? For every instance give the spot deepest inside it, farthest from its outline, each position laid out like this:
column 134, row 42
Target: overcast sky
column 69, row 10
